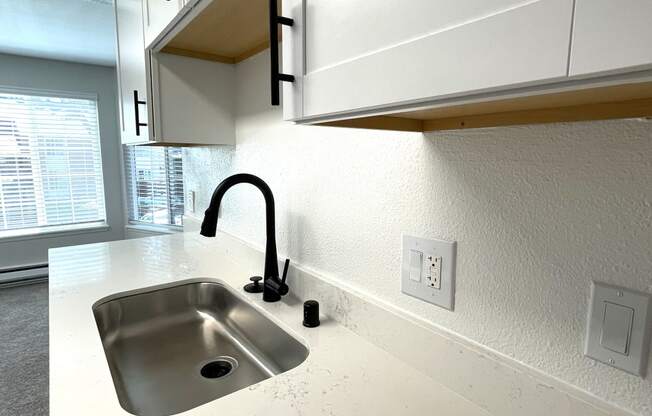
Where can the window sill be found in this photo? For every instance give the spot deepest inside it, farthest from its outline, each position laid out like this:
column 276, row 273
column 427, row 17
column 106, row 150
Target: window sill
column 155, row 229
column 52, row 232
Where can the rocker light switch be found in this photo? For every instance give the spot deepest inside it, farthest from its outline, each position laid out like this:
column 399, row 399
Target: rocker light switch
column 416, row 265
column 616, row 327
column 618, row 331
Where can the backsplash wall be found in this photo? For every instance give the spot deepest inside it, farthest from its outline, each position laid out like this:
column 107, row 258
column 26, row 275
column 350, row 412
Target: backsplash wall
column 537, row 211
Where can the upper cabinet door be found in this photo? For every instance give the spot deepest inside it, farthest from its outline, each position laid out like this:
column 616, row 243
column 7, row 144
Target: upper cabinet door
column 157, row 14
column 353, row 56
column 611, row 35
column 131, row 70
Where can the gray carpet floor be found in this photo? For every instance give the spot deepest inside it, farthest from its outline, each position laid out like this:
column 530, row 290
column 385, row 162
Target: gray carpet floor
column 24, row 350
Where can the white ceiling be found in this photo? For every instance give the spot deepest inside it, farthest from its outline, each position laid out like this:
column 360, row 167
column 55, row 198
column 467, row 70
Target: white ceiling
column 68, row 30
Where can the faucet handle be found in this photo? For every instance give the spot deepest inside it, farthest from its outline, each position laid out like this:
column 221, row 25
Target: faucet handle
column 276, row 286
column 285, row 270
column 280, row 287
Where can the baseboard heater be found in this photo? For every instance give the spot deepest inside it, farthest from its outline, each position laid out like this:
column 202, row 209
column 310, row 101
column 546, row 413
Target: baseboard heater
column 19, row 275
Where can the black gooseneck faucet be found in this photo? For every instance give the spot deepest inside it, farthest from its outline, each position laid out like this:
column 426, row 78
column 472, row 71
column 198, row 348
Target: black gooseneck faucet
column 273, row 286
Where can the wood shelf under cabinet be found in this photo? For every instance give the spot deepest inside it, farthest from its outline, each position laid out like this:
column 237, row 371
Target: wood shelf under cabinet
column 598, row 103
column 227, row 31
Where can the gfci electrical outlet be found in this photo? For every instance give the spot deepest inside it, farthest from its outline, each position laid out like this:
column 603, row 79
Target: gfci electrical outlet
column 428, row 270
column 434, row 271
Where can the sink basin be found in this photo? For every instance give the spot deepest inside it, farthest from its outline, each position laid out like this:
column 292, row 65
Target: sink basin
column 171, row 348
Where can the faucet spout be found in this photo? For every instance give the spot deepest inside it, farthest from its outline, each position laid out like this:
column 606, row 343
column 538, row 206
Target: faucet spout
column 273, row 286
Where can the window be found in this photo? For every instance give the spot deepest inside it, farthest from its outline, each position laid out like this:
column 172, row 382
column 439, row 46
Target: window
column 50, row 162
column 154, row 184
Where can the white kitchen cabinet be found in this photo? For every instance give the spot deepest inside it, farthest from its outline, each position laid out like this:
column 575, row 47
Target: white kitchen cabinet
column 355, row 56
column 168, row 99
column 611, row 36
column 157, row 14
column 130, row 57
column 193, row 101
column 421, row 65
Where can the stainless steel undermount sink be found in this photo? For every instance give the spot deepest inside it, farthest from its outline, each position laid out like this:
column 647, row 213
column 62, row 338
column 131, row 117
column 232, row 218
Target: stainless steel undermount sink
column 171, row 348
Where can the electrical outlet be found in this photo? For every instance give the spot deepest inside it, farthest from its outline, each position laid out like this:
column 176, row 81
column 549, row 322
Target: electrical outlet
column 434, row 271
column 437, row 267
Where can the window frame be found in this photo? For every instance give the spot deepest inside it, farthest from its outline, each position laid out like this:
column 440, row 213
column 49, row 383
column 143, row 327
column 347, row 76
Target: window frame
column 48, row 231
column 143, row 225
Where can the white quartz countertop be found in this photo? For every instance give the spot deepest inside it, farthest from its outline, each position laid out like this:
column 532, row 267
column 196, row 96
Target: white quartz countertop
column 344, row 374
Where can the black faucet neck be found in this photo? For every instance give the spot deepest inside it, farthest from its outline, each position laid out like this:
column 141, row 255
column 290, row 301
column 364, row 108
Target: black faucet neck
column 209, row 227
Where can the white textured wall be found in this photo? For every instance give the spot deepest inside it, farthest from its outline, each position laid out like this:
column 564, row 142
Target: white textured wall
column 537, row 211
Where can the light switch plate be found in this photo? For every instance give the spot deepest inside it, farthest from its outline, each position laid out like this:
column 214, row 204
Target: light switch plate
column 609, row 322
column 438, row 259
column 190, row 201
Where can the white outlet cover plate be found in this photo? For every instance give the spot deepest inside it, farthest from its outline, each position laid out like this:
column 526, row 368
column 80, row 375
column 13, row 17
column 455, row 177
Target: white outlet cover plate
column 445, row 296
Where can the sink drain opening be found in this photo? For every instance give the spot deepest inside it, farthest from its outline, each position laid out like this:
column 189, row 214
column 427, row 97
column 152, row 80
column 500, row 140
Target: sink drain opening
column 219, row 367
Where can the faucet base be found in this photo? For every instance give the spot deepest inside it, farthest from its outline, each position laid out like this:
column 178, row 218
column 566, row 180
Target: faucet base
column 269, row 296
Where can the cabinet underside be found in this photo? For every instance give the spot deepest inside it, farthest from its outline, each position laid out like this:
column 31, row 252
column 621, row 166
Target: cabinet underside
column 598, row 103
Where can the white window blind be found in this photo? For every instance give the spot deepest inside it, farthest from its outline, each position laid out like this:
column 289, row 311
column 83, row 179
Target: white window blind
column 154, row 184
column 50, row 161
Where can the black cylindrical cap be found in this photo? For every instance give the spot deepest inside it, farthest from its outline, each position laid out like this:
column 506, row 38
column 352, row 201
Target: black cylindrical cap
column 311, row 313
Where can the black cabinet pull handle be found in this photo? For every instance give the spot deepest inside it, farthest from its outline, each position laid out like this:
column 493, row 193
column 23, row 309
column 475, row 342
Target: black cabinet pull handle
column 138, row 102
column 276, row 77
